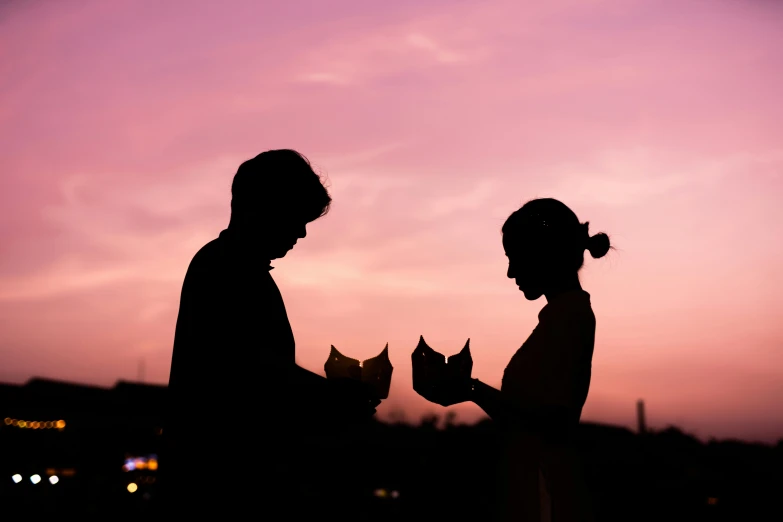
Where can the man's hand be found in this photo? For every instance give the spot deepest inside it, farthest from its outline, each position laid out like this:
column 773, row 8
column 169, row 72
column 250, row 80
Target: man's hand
column 353, row 399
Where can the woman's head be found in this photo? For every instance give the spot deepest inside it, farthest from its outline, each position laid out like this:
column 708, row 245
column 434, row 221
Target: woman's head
column 545, row 244
column 274, row 196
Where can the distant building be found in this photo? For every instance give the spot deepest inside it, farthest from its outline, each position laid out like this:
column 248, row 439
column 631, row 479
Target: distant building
column 640, row 419
column 89, row 442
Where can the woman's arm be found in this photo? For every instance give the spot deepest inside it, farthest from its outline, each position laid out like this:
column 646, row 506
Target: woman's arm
column 492, row 402
column 550, row 419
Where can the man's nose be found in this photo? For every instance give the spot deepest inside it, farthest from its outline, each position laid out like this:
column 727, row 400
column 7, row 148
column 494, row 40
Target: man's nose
column 302, row 233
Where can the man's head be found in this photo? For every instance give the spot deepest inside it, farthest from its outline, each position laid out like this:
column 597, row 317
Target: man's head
column 273, row 197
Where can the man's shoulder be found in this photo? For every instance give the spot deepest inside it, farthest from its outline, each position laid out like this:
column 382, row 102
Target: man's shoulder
column 209, row 252
column 208, row 259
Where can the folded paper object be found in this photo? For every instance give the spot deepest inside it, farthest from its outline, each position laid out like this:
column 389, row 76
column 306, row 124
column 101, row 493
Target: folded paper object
column 376, row 372
column 430, row 368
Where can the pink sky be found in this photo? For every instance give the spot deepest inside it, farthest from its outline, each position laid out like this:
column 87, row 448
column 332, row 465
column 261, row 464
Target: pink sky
column 660, row 122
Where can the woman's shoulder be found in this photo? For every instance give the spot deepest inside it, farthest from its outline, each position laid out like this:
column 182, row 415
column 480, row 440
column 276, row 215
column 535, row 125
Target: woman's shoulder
column 568, row 306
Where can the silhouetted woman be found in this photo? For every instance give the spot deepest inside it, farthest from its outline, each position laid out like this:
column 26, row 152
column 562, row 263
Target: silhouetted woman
column 546, row 382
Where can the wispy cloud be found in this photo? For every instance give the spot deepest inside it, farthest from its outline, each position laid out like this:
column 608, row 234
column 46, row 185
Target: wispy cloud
column 366, row 56
column 353, row 158
column 66, row 275
column 325, row 77
column 476, row 196
column 440, row 53
column 627, row 177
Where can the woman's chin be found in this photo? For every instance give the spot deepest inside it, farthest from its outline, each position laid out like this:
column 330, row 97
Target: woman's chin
column 530, row 295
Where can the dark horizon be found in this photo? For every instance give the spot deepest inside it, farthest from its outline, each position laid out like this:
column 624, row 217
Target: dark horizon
column 443, row 417
column 661, row 475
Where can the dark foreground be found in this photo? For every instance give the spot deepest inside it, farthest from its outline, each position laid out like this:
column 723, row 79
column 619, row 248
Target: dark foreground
column 101, row 461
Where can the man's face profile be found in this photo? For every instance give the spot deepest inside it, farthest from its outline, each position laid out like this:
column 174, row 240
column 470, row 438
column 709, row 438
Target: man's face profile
column 274, row 196
column 283, row 236
column 277, row 230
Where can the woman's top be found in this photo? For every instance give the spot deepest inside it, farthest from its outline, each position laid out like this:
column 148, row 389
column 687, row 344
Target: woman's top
column 553, row 366
column 552, row 369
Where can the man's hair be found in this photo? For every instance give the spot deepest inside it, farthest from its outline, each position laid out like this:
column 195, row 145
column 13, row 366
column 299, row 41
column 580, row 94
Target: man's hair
column 277, row 182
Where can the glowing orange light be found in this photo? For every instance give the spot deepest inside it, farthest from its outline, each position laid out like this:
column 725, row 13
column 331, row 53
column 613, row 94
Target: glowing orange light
column 712, row 501
column 60, row 424
column 132, row 487
column 35, row 425
column 21, row 424
column 7, row 421
column 152, row 464
column 68, row 472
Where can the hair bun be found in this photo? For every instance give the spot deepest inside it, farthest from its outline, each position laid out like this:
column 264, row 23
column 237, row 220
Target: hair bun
column 598, row 245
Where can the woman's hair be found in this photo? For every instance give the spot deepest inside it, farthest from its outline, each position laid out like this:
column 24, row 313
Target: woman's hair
column 548, row 224
column 278, row 181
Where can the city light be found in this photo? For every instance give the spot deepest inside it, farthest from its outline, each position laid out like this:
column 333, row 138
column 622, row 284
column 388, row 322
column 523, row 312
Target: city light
column 54, row 480
column 132, row 487
column 136, row 463
column 35, row 479
column 35, row 425
column 66, row 472
column 17, row 478
column 384, row 493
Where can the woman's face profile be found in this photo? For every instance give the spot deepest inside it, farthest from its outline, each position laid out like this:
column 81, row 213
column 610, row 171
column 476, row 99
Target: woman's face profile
column 524, row 267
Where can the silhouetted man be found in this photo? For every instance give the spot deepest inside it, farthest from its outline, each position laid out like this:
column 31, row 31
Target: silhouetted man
column 238, row 401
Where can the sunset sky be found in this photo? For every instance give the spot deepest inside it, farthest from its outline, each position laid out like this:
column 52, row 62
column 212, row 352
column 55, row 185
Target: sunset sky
column 659, row 121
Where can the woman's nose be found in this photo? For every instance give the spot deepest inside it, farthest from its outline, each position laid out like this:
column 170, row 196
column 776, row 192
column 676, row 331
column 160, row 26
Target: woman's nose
column 302, row 233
